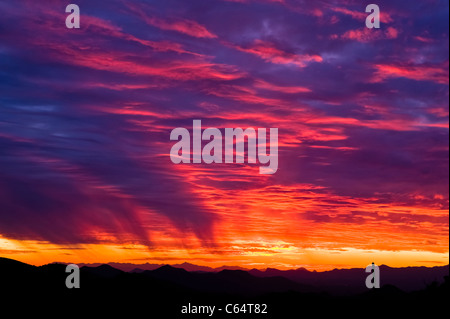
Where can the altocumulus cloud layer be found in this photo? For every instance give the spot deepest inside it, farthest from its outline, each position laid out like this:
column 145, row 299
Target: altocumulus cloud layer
column 86, row 115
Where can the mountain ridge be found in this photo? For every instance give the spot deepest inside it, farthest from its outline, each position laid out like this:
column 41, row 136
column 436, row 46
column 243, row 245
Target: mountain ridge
column 336, row 281
column 164, row 291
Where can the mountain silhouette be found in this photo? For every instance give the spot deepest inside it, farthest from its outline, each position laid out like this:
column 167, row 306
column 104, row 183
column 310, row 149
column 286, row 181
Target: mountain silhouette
column 105, row 271
column 351, row 281
column 160, row 293
column 128, row 267
column 236, row 282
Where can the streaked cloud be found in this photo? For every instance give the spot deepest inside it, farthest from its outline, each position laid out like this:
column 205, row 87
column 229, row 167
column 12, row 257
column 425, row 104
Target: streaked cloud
column 85, row 118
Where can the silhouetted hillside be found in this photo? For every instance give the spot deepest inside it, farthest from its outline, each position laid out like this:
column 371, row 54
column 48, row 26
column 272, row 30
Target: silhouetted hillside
column 106, row 271
column 351, row 281
column 161, row 293
column 147, row 266
column 227, row 281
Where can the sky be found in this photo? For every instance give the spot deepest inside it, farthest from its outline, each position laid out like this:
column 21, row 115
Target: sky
column 362, row 114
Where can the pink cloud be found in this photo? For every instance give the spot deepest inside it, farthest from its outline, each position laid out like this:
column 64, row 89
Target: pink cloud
column 184, row 26
column 282, row 89
column 182, row 70
column 392, row 33
column 426, row 72
column 354, row 14
column 270, row 53
column 439, row 111
column 362, row 16
column 424, row 39
column 99, row 26
column 248, row 1
column 367, row 35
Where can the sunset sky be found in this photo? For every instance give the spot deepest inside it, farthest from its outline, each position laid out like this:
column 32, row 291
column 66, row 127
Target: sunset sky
column 362, row 114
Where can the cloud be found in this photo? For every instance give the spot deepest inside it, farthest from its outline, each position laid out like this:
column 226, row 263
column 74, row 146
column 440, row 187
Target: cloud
column 385, row 17
column 249, row 1
column 367, row 35
column 363, row 126
column 184, row 26
column 283, row 89
column 418, row 72
column 269, row 52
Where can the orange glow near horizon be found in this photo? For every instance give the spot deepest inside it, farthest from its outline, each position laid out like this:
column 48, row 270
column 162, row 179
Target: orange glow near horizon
column 270, row 228
column 280, row 255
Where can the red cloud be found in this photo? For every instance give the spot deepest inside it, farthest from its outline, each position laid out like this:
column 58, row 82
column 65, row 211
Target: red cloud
column 121, row 63
column 367, row 35
column 185, row 26
column 283, row 89
column 243, row 94
column 188, row 27
column 354, row 14
column 270, row 53
column 248, row 1
column 426, row 72
column 359, row 15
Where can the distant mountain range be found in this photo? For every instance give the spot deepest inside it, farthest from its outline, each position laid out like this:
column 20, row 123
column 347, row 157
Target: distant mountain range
column 353, row 280
column 166, row 289
column 338, row 281
column 129, row 267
